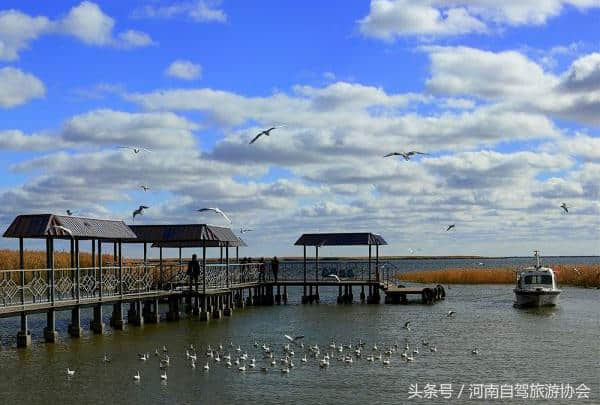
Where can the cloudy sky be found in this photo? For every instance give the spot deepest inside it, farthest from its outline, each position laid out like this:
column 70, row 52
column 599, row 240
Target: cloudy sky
column 504, row 96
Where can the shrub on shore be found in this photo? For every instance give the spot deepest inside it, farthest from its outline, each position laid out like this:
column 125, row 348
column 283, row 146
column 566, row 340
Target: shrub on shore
column 576, row 275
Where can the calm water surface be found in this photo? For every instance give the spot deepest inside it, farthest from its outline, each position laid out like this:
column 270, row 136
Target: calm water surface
column 517, row 346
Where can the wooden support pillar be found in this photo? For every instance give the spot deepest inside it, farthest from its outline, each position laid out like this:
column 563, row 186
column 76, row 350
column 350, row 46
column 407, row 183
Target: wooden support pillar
column 134, row 315
column 77, row 272
column 204, row 268
column 317, row 273
column 23, row 335
column 304, row 296
column 116, row 321
column 160, row 266
column 97, row 326
column 121, row 269
column 50, row 334
column 150, row 311
column 100, row 275
column 227, row 263
column 278, row 295
column 75, row 326
column 285, row 296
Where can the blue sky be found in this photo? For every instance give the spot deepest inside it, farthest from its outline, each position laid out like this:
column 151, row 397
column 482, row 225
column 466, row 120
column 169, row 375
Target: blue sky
column 504, row 98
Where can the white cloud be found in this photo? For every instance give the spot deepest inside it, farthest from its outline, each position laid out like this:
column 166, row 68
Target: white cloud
column 184, row 69
column 197, row 10
column 18, row 141
column 17, row 30
column 525, row 86
column 18, row 87
column 85, row 21
column 389, row 19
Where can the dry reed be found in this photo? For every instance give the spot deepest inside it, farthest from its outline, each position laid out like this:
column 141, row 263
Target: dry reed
column 584, row 275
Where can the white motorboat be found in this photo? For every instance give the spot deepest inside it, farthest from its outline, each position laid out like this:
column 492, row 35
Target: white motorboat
column 536, row 286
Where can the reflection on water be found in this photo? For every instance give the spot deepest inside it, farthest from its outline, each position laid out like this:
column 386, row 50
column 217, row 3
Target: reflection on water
column 545, row 345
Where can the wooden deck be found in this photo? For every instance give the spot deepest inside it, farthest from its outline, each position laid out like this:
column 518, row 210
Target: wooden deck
column 427, row 294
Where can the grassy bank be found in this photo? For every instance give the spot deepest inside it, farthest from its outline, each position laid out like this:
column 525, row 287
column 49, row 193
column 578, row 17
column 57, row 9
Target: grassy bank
column 580, row 275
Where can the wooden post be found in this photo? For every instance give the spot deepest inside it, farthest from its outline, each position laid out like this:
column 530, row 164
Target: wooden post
column 377, row 262
column 120, row 269
column 237, row 254
column 72, row 274
column 94, row 264
column 51, row 270
column 22, row 268
column 115, row 261
column 160, row 266
column 100, row 275
column 227, row 261
column 146, row 259
column 204, row 268
column 304, row 270
column 370, row 289
column 78, row 274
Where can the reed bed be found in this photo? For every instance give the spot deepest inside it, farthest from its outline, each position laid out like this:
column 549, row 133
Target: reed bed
column 36, row 259
column 584, row 275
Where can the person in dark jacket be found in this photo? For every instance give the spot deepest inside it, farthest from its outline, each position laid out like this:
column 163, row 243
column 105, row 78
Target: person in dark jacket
column 193, row 271
column 275, row 267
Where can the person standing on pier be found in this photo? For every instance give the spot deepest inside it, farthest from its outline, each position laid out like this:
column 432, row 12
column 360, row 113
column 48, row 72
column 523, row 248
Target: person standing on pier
column 193, row 271
column 275, row 267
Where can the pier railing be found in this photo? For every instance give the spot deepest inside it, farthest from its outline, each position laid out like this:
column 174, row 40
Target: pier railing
column 218, row 275
column 27, row 287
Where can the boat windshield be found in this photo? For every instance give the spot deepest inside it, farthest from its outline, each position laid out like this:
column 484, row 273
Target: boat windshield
column 540, row 279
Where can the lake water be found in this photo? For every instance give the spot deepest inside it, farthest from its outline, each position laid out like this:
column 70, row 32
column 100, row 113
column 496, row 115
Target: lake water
column 549, row 346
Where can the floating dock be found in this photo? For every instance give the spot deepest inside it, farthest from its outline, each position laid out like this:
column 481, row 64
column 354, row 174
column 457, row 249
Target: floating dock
column 427, row 294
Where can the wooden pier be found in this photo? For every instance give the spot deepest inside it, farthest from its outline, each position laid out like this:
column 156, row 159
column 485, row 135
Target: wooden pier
column 220, row 288
column 427, row 294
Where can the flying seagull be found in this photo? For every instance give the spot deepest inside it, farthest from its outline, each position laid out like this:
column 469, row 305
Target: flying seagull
column 336, row 277
column 135, row 149
column 242, row 230
column 564, row 207
column 450, row 227
column 405, row 155
column 217, row 211
column 139, row 211
column 266, row 132
column 451, row 313
column 145, row 188
column 69, row 212
column 407, row 325
column 64, row 229
column 293, row 339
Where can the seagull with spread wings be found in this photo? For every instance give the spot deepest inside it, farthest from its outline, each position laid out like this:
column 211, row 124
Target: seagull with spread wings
column 405, row 155
column 139, row 211
column 266, row 132
column 216, row 211
column 145, row 188
column 135, row 149
column 337, row 278
column 450, row 227
column 64, row 229
column 564, row 207
column 242, row 230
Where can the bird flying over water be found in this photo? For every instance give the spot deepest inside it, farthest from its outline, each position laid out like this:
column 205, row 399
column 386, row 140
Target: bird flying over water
column 217, row 211
column 407, row 325
column 266, row 132
column 564, row 207
column 145, row 188
column 335, row 276
column 64, row 229
column 405, row 155
column 69, row 212
column 139, row 211
column 451, row 313
column 450, row 227
column 135, row 149
column 293, row 339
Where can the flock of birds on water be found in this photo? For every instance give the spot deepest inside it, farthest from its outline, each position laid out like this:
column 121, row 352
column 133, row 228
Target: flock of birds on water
column 291, row 355
column 266, row 132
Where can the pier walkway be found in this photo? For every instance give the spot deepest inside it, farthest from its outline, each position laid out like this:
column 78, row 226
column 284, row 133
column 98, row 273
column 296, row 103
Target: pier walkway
column 222, row 286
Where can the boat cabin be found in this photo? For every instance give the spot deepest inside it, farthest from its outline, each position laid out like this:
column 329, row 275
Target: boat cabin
column 533, row 278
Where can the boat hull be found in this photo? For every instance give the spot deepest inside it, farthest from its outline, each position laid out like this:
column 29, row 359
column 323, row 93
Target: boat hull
column 535, row 299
